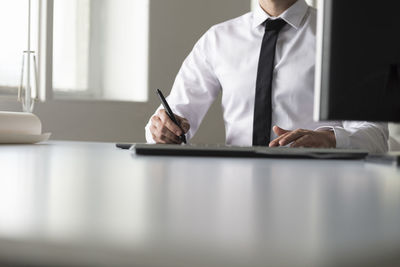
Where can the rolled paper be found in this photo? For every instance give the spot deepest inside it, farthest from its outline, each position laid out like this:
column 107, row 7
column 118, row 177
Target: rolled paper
column 19, row 123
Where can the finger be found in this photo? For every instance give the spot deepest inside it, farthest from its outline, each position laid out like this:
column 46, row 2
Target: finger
column 279, row 131
column 184, row 123
column 281, row 134
column 163, row 140
column 155, row 135
column 156, row 122
column 303, row 141
column 275, row 142
column 162, row 114
column 293, row 136
column 158, row 137
column 167, row 139
column 163, row 134
column 168, row 136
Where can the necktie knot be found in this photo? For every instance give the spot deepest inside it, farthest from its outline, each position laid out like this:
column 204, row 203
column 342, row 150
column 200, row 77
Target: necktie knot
column 274, row 25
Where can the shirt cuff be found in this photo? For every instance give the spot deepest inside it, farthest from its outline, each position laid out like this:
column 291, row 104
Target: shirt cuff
column 149, row 137
column 341, row 135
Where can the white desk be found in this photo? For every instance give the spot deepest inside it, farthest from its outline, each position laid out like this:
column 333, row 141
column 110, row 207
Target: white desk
column 90, row 204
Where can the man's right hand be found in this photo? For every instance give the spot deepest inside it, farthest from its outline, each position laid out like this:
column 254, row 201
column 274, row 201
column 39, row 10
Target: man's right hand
column 165, row 131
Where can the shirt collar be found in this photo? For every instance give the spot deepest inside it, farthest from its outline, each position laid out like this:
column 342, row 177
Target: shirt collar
column 293, row 15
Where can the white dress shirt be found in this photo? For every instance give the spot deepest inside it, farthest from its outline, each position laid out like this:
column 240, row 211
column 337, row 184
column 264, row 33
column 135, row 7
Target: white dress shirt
column 225, row 59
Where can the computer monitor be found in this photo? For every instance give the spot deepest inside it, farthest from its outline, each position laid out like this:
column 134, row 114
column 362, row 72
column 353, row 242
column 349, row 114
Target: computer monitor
column 358, row 61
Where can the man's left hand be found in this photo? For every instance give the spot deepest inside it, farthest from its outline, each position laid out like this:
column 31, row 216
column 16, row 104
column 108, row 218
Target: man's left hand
column 303, row 138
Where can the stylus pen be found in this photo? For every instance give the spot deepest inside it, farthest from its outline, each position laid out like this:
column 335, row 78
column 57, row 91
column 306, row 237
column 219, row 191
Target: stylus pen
column 171, row 114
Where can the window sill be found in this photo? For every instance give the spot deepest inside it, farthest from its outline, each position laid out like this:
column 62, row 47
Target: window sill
column 89, row 97
column 11, row 96
column 95, row 100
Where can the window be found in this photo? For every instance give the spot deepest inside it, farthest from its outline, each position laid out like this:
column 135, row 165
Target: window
column 13, row 32
column 99, row 48
column 71, row 36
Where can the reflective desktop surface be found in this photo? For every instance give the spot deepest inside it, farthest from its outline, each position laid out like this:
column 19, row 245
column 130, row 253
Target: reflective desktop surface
column 91, row 204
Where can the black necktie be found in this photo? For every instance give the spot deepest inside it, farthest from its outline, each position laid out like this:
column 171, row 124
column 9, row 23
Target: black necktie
column 263, row 105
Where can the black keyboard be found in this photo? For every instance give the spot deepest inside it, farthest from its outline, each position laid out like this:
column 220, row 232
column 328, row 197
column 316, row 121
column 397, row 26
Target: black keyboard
column 243, row 151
